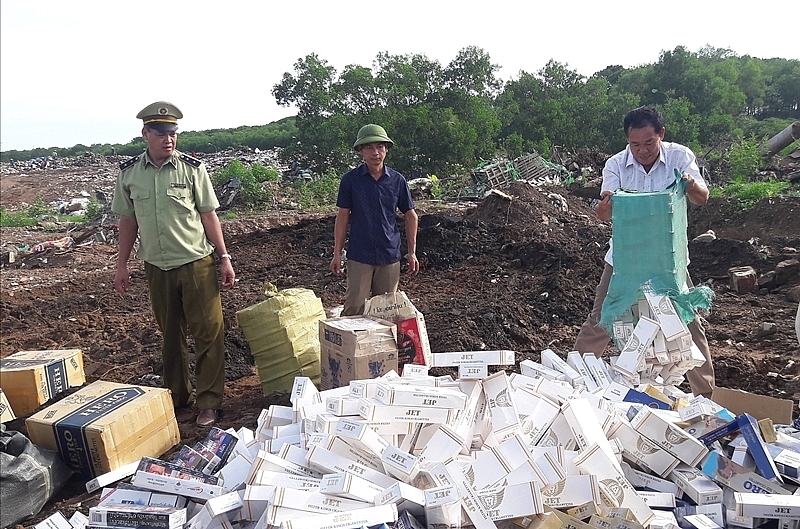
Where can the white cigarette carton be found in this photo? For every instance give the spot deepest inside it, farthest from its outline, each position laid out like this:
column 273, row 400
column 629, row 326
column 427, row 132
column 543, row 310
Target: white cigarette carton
column 501, row 357
column 444, row 446
column 54, row 521
column 586, row 430
column 550, row 468
column 476, row 510
column 530, row 368
column 473, row 371
column 282, row 479
column 571, row 492
column 597, row 368
column 559, row 434
column 631, row 356
column 443, row 506
column 255, row 500
column 329, row 463
column 339, row 445
column 407, row 395
column 538, row 413
column 345, row 520
column 701, row 489
column 642, row 480
column 415, row 371
column 349, row 486
column 639, row 450
column 664, row 313
column 701, row 521
column 512, row 501
column 668, row 436
column 658, row 500
column 770, row 506
column 314, row 501
column 400, row 464
column 358, row 434
column 117, row 496
column 78, row 520
column 111, row 477
column 551, row 359
column 576, row 362
column 341, row 406
column 372, row 410
column 405, row 497
column 612, row 482
column 179, row 484
column 267, row 461
column 501, row 405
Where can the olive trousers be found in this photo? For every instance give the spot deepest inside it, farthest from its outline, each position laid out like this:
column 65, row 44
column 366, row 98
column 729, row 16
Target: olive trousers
column 188, row 297
column 365, row 281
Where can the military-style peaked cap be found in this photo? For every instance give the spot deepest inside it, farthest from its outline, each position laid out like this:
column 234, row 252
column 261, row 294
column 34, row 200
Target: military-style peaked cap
column 161, row 115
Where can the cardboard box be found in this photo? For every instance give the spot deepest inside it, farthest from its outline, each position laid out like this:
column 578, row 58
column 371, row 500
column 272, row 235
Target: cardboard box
column 753, row 505
column 759, row 406
column 356, row 348
column 31, row 378
column 6, row 412
column 106, row 425
column 413, row 346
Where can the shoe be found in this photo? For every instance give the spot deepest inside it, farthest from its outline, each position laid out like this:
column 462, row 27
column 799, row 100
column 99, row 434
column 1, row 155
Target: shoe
column 206, row 417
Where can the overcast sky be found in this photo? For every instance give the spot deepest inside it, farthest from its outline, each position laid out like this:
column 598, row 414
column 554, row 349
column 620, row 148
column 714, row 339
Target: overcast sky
column 79, row 71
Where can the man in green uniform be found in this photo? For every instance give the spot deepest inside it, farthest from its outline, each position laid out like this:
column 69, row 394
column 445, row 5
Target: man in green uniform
column 167, row 198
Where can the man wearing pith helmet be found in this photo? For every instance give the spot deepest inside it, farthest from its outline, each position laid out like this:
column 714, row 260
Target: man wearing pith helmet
column 369, row 197
column 166, row 197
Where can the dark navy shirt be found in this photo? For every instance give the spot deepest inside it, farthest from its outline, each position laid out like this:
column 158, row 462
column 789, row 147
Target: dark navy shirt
column 374, row 235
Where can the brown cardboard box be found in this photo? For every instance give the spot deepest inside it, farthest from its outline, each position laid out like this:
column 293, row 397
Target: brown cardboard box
column 31, row 378
column 759, row 406
column 356, row 348
column 6, row 411
column 106, row 425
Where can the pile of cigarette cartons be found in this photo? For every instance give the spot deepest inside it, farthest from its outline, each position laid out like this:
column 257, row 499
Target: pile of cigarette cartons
column 657, row 349
column 32, row 378
column 283, row 336
column 531, row 450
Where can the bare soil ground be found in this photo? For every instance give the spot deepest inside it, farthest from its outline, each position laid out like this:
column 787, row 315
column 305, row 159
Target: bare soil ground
column 496, row 274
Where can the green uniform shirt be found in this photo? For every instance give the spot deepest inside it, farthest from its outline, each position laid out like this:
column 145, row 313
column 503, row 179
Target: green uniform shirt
column 167, row 203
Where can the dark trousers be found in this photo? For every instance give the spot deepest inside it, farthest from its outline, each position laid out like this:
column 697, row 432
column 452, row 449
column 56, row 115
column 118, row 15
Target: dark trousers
column 593, row 338
column 188, row 297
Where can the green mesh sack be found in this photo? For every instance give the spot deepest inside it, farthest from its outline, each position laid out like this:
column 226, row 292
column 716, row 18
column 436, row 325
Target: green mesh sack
column 650, row 252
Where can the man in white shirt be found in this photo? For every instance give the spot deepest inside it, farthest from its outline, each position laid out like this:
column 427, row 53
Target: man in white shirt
column 647, row 164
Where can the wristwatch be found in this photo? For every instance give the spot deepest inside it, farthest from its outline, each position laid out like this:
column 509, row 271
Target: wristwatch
column 225, row 256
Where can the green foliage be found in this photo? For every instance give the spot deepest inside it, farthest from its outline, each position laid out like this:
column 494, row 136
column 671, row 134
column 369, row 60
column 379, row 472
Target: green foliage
column 255, row 194
column 16, row 219
column 747, row 194
column 436, row 190
column 92, row 209
column 317, row 194
column 745, row 161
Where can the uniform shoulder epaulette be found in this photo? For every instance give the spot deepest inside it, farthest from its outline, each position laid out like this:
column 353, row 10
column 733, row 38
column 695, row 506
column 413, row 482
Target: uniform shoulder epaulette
column 124, row 165
column 190, row 160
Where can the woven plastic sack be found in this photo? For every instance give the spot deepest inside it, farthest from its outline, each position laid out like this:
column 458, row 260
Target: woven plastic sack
column 283, row 333
column 650, row 252
column 29, row 477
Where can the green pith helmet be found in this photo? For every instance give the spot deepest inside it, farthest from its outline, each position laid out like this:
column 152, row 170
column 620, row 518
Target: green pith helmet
column 372, row 134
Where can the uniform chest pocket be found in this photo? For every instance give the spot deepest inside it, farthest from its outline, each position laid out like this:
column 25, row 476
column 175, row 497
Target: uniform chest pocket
column 180, row 198
column 389, row 203
column 142, row 202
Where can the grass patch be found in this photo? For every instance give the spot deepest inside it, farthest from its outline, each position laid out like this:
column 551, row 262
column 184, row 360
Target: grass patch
column 747, row 194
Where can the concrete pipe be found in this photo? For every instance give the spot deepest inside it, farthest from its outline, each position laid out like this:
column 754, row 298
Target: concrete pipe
column 784, row 138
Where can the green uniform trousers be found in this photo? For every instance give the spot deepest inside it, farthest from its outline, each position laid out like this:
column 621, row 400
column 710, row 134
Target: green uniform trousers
column 188, row 296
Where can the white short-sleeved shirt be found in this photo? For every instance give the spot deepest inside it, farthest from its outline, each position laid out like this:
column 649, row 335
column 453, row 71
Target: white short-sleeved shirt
column 623, row 171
